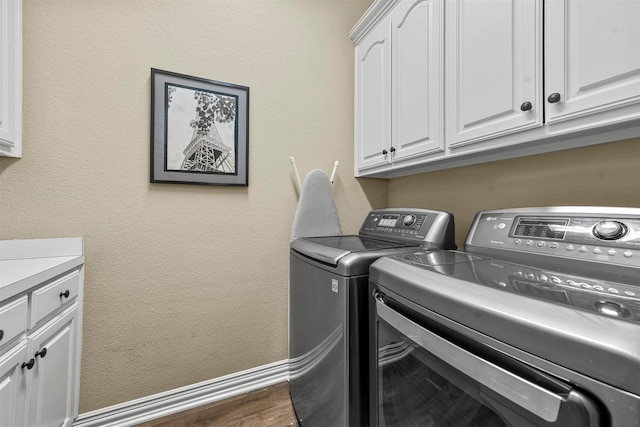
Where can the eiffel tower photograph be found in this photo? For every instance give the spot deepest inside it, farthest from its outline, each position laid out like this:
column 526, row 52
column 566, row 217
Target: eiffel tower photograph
column 200, row 131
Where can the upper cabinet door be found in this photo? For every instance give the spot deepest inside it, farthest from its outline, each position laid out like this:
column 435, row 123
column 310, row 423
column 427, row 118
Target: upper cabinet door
column 11, row 78
column 592, row 56
column 373, row 98
column 416, row 67
column 494, row 68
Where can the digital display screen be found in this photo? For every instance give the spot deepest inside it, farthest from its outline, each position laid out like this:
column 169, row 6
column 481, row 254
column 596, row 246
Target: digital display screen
column 555, row 228
column 388, row 220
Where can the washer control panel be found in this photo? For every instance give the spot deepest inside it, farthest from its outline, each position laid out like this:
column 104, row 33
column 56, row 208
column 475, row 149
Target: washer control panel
column 421, row 226
column 606, row 235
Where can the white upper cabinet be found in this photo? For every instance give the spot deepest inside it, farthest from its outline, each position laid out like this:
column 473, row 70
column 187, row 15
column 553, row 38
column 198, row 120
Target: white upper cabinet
column 399, row 91
column 416, row 69
column 11, row 78
column 373, row 97
column 493, row 68
column 473, row 81
column 592, row 56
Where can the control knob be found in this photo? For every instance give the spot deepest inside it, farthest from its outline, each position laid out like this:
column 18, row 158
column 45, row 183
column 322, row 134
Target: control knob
column 409, row 220
column 609, row 230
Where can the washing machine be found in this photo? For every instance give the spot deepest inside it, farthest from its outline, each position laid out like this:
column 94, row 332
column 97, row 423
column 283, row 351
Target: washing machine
column 329, row 315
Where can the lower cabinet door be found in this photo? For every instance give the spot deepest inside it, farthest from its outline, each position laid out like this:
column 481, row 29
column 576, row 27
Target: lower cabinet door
column 52, row 385
column 13, row 385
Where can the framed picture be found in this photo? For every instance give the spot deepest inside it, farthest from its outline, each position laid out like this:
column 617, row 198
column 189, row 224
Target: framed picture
column 199, row 130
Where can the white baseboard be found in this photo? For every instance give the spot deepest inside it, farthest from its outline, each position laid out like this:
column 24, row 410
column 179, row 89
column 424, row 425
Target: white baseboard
column 170, row 402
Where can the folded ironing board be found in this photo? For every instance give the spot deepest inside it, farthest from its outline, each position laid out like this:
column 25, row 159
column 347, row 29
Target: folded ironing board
column 316, row 214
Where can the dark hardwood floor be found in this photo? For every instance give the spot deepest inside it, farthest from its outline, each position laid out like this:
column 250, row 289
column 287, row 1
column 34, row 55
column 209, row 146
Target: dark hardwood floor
column 267, row 407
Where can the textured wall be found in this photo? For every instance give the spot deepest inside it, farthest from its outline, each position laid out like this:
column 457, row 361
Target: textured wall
column 183, row 283
column 607, row 175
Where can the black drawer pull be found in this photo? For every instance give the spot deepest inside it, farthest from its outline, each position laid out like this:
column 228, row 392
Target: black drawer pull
column 29, row 364
column 64, row 294
column 42, row 353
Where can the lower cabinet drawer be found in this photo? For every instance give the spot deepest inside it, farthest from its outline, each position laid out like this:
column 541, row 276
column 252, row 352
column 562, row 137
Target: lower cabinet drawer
column 51, row 297
column 13, row 319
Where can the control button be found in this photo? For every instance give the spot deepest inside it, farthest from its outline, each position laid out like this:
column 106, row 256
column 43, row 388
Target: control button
column 583, row 249
column 573, row 283
column 504, row 285
column 611, row 252
column 609, row 230
column 554, row 279
column 517, row 242
column 542, row 277
column 528, row 243
column 501, row 225
column 613, row 290
column 540, row 244
column 598, row 288
column 612, row 309
column 530, row 276
column 518, row 273
column 627, row 254
column 630, row 294
column 585, row 285
column 553, row 245
column 570, row 247
column 597, row 251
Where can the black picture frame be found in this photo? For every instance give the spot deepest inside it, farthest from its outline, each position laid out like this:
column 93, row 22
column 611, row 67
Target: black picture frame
column 199, row 130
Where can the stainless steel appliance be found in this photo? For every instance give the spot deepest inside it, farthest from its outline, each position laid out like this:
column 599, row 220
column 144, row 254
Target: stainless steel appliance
column 328, row 310
column 536, row 323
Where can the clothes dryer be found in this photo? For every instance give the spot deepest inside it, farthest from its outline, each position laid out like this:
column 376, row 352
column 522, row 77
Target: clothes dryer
column 536, row 323
column 328, row 310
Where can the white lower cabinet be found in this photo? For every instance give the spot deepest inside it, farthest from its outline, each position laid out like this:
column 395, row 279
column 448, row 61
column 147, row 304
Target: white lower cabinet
column 13, row 386
column 40, row 331
column 52, row 379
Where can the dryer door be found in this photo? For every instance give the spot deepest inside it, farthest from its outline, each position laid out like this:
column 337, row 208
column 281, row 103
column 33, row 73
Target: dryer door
column 428, row 377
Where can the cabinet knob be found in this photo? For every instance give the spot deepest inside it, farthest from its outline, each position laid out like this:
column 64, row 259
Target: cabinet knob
column 64, row 294
column 42, row 353
column 553, row 98
column 29, row 364
column 384, row 152
column 392, row 149
column 526, row 106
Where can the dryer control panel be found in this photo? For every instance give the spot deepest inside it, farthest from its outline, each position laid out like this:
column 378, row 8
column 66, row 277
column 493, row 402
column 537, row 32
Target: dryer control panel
column 594, row 234
column 420, row 226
